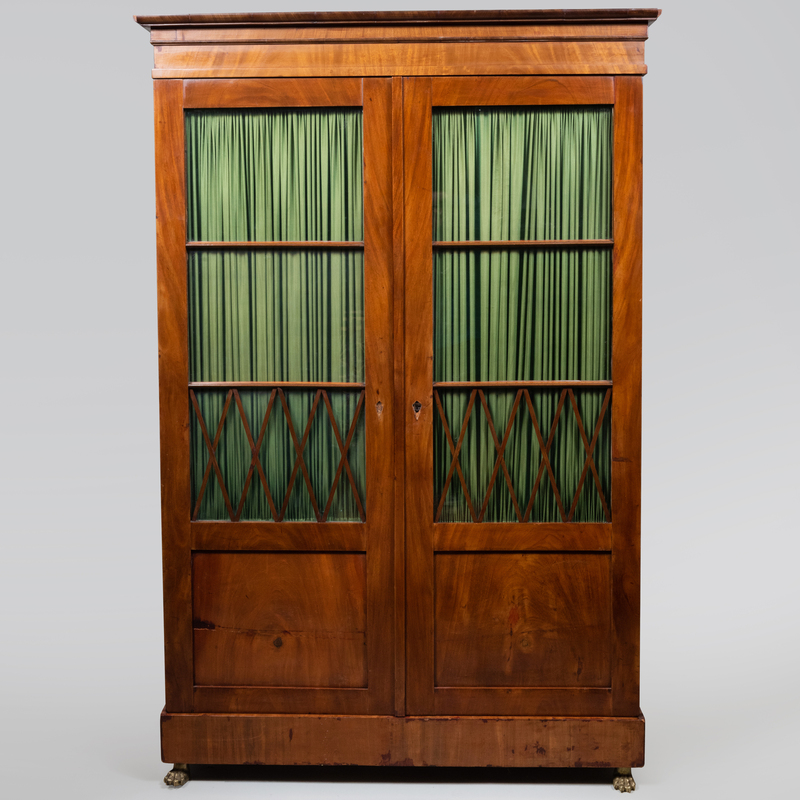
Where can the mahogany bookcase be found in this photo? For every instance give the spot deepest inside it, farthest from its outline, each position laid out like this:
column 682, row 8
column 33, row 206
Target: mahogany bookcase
column 395, row 637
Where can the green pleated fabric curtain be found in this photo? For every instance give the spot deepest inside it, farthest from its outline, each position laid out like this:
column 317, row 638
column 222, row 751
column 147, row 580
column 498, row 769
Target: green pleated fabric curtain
column 276, row 315
column 516, row 314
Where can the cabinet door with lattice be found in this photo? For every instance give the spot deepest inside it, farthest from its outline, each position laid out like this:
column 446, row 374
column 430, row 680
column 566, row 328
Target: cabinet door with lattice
column 285, row 493
column 514, row 260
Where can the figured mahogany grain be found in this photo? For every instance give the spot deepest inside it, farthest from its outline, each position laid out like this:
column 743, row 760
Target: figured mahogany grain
column 231, row 60
column 398, row 364
column 523, row 619
column 280, row 619
column 418, row 164
column 378, row 403
column 275, row 93
column 547, row 741
column 173, row 375
column 626, row 370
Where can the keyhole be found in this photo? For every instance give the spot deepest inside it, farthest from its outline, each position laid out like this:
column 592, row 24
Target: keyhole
column 417, row 408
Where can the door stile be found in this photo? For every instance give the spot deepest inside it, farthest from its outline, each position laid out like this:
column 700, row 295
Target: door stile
column 173, row 377
column 626, row 371
column 378, row 324
column 418, row 177
column 398, row 306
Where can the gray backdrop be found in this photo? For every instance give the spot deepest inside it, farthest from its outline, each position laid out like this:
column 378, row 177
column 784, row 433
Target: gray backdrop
column 80, row 571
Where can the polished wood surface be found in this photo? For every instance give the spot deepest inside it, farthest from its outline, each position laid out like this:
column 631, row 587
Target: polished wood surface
column 279, row 619
column 272, row 94
column 229, row 60
column 338, row 536
column 511, row 536
column 274, row 245
column 626, row 370
column 378, row 406
column 522, row 245
column 173, row 375
column 407, row 32
column 418, row 202
column 522, row 91
column 398, row 397
column 548, row 741
column 511, row 619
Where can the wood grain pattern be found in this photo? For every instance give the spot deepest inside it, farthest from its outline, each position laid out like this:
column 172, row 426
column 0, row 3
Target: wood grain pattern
column 411, row 741
column 280, row 619
column 334, row 536
column 399, row 58
column 418, row 160
column 274, row 245
column 522, row 91
column 626, row 370
column 274, row 93
column 407, row 32
column 281, row 700
column 513, row 619
column 398, row 332
column 173, row 375
column 521, row 701
column 523, row 245
column 379, row 409
column 513, row 536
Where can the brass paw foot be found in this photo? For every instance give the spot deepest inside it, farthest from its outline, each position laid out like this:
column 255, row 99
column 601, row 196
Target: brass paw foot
column 623, row 780
column 177, row 776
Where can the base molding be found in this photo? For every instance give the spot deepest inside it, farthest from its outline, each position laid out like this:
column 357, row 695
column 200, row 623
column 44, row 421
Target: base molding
column 305, row 739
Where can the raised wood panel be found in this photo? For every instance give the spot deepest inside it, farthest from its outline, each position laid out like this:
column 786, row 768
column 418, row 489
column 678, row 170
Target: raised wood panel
column 407, row 741
column 280, row 619
column 467, row 536
column 523, row 619
column 391, row 58
column 225, row 657
column 346, row 536
column 399, row 33
column 276, row 93
column 522, row 90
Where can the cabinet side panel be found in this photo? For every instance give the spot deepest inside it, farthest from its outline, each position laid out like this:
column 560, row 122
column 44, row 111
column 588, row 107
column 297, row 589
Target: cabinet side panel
column 626, row 368
column 173, row 377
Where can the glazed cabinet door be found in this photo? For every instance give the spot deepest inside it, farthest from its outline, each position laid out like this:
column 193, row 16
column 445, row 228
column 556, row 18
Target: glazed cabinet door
column 523, row 289
column 275, row 307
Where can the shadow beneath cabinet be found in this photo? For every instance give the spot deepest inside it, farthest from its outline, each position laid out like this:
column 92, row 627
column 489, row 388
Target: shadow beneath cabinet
column 357, row 774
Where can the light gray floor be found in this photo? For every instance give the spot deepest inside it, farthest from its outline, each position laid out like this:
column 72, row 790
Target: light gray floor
column 80, row 651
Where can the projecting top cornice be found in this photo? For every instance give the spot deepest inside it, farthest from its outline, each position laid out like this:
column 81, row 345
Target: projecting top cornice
column 593, row 15
column 392, row 43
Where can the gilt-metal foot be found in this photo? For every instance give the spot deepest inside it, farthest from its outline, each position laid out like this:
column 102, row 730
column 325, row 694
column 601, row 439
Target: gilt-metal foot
column 623, row 780
column 177, row 776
